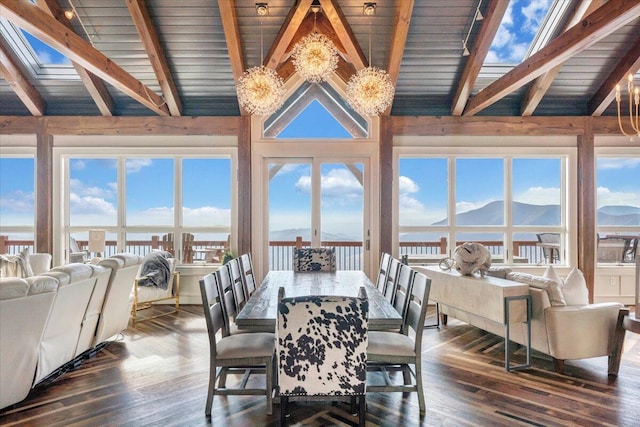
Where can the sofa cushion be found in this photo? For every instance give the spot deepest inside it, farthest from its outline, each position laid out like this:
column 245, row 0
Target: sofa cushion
column 574, row 289
column 551, row 286
column 16, row 265
column 13, row 287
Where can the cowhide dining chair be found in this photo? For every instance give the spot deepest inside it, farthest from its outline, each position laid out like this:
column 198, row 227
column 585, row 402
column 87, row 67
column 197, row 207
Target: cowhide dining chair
column 321, row 349
column 314, row 259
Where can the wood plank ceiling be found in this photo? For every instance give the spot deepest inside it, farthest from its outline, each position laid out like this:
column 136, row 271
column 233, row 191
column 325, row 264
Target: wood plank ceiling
column 161, row 57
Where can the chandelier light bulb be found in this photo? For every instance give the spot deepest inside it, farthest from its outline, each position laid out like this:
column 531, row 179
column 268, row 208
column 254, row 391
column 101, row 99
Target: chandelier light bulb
column 260, row 91
column 315, row 57
column 370, row 91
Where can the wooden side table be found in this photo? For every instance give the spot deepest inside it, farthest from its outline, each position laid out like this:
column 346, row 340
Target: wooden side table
column 631, row 323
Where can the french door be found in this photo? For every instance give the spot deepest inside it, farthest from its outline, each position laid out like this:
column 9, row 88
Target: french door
column 316, row 201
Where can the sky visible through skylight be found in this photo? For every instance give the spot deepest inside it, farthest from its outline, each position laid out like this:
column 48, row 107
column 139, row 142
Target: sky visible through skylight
column 45, row 53
column 516, row 32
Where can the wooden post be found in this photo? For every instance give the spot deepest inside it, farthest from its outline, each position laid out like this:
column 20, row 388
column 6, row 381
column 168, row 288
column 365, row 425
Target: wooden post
column 298, row 242
column 3, row 244
column 443, row 245
column 155, row 244
column 586, row 217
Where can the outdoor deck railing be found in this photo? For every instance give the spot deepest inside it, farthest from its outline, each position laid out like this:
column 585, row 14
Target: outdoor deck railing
column 348, row 254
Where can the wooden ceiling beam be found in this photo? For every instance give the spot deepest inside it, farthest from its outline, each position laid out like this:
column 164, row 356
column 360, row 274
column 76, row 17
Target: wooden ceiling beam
column 539, row 87
column 605, row 20
column 46, row 28
column 629, row 64
column 277, row 52
column 490, row 24
column 95, row 86
column 354, row 53
column 232, row 36
column 404, row 10
column 19, row 83
column 149, row 37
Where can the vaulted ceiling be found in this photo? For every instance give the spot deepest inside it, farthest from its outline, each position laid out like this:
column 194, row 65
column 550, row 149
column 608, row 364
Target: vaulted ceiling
column 182, row 58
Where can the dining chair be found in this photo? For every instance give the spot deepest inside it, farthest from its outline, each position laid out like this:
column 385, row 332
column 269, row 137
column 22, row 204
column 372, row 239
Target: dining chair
column 235, row 274
column 242, row 353
column 246, row 266
column 321, row 349
column 400, row 300
column 392, row 279
column 550, row 243
column 389, row 351
column 314, row 259
column 385, row 259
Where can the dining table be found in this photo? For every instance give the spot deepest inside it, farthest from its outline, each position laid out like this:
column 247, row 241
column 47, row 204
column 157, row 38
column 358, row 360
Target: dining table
column 259, row 313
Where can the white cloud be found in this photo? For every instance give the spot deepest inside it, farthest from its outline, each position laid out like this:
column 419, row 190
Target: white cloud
column 517, row 51
column 534, row 12
column 407, row 185
column 81, row 189
column 207, row 216
column 502, row 38
column 539, row 196
column 78, row 164
column 135, row 165
column 83, row 205
column 606, row 197
column 339, row 187
column 17, row 201
column 618, row 163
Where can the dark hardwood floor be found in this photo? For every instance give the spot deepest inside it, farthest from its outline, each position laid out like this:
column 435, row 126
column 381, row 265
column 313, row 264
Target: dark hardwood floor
column 157, row 373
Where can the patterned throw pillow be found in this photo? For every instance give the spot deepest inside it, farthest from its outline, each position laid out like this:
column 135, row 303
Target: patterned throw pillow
column 16, row 265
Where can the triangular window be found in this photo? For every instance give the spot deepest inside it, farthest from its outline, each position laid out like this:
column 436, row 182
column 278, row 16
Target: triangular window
column 314, row 122
column 315, row 111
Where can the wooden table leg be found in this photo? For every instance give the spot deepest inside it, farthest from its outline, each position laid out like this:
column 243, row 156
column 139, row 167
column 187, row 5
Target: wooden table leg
column 618, row 342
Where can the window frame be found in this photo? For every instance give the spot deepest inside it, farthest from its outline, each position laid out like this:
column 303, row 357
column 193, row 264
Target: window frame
column 164, row 147
column 508, row 148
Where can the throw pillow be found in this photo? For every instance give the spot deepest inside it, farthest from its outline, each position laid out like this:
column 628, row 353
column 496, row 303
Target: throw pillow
column 551, row 286
column 550, row 273
column 575, row 290
column 16, row 265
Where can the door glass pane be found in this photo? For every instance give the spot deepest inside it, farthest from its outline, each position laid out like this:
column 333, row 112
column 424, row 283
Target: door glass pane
column 150, row 190
column 206, row 192
column 618, row 184
column 93, row 187
column 479, row 192
column 494, row 242
column 289, row 211
column 341, row 212
column 17, row 187
column 536, row 192
column 422, row 189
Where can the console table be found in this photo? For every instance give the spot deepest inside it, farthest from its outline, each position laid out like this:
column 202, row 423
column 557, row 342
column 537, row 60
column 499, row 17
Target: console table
column 500, row 301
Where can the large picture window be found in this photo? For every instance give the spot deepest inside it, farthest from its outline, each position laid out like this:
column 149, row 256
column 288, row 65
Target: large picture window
column 513, row 204
column 17, row 207
column 146, row 202
column 618, row 208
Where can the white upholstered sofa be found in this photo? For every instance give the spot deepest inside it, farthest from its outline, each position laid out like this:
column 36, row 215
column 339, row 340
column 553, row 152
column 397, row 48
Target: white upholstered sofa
column 558, row 329
column 50, row 319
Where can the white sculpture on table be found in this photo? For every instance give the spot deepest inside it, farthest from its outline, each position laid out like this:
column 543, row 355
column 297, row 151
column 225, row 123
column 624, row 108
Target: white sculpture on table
column 469, row 258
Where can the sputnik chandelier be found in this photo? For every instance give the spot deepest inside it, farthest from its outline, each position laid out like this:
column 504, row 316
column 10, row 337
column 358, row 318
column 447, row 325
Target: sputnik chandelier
column 260, row 89
column 634, row 100
column 315, row 57
column 370, row 91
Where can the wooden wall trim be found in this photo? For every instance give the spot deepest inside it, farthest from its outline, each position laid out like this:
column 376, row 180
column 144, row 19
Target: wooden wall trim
column 401, row 125
column 44, row 196
column 386, row 184
column 244, row 185
column 492, row 125
column 98, row 125
column 587, row 209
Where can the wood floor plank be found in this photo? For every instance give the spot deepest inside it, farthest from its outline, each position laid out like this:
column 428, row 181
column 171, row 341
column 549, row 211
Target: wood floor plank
column 156, row 375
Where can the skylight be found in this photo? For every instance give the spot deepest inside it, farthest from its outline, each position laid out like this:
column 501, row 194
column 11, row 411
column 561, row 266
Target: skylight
column 527, row 26
column 42, row 61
